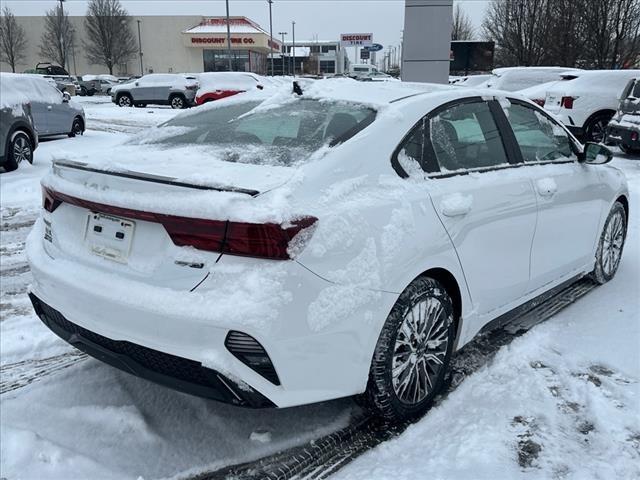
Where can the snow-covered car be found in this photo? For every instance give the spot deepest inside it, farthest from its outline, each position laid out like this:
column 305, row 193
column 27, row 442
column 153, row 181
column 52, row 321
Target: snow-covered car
column 18, row 138
column 288, row 249
column 173, row 89
column 514, row 79
column 624, row 128
column 217, row 85
column 470, row 81
column 538, row 93
column 54, row 113
column 587, row 103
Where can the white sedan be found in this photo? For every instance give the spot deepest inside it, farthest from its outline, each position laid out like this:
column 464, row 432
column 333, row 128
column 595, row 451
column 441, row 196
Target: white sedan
column 345, row 240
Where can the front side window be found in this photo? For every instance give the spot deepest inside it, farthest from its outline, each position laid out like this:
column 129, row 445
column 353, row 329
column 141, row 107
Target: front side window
column 465, row 136
column 284, row 135
column 540, row 138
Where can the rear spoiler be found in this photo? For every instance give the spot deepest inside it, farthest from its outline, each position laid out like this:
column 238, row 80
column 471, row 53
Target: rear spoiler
column 152, row 178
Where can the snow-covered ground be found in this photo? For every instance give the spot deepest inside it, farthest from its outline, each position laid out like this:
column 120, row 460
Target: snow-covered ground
column 562, row 401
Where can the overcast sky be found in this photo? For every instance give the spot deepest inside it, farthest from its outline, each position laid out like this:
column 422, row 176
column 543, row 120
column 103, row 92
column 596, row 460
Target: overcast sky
column 325, row 19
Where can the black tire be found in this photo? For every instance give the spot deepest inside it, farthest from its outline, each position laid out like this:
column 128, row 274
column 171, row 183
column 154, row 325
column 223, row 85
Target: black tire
column 77, row 127
column 20, row 148
column 83, row 91
column 611, row 244
column 91, row 92
column 177, row 102
column 124, row 100
column 630, row 150
column 595, row 129
column 385, row 398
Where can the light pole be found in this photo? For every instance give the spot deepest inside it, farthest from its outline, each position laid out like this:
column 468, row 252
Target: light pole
column 293, row 46
column 282, row 34
column 140, row 49
column 61, row 39
column 229, row 38
column 271, row 35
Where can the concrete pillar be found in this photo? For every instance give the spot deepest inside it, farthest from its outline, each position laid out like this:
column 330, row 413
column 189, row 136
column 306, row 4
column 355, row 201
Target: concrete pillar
column 427, row 40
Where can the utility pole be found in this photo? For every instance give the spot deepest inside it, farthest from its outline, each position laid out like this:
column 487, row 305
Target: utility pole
column 293, row 49
column 283, row 49
column 229, row 38
column 271, row 35
column 60, row 23
column 140, row 49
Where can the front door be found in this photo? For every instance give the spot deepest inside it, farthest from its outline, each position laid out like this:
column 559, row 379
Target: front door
column 570, row 196
column 487, row 207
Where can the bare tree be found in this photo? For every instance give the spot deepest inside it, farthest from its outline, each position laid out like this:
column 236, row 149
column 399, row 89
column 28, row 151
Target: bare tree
column 57, row 37
column 612, row 33
column 581, row 33
column 110, row 38
column 12, row 39
column 521, row 36
column 462, row 28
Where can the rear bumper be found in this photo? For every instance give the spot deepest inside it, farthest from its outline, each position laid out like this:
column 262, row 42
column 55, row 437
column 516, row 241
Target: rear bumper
column 168, row 370
column 619, row 135
column 270, row 301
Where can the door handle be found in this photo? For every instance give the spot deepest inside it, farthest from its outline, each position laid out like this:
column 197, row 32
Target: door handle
column 456, row 205
column 546, row 187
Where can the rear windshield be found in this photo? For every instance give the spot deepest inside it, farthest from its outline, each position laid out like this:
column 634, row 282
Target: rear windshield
column 285, row 135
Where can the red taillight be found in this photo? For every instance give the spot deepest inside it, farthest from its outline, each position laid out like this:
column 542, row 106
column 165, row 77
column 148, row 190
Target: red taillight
column 262, row 240
column 567, row 102
column 634, row 136
column 539, row 101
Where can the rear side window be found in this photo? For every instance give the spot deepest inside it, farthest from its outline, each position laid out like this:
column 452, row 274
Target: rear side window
column 540, row 139
column 635, row 93
column 465, row 136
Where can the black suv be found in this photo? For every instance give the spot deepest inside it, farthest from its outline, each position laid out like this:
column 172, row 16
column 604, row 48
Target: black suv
column 624, row 127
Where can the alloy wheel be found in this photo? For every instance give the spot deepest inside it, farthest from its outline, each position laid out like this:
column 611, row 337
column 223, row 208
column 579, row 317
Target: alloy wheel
column 597, row 131
column 420, row 350
column 22, row 149
column 177, row 102
column 124, row 101
column 612, row 244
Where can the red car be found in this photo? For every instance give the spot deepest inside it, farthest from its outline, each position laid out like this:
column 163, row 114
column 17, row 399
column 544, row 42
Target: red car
column 217, row 85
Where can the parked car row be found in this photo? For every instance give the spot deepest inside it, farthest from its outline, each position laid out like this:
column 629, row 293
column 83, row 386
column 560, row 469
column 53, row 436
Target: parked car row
column 585, row 101
column 31, row 109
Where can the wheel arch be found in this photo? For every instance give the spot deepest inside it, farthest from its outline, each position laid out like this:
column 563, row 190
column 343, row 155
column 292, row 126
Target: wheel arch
column 24, row 127
column 625, row 204
column 452, row 286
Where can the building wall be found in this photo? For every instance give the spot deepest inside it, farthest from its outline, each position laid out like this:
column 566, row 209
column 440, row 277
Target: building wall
column 162, row 46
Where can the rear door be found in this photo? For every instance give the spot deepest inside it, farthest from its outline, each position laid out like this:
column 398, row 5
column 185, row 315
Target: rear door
column 486, row 206
column 569, row 194
column 60, row 117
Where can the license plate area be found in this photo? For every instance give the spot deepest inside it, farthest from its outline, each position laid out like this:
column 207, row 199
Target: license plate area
column 109, row 237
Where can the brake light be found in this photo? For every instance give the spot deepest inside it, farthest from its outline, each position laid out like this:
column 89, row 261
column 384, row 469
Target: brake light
column 539, row 101
column 567, row 102
column 260, row 240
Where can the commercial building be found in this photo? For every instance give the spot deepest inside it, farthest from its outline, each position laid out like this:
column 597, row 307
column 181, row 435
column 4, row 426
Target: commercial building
column 169, row 44
column 313, row 57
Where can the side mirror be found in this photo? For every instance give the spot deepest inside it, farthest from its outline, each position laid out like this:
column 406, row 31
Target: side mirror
column 136, row 84
column 66, row 97
column 595, row 154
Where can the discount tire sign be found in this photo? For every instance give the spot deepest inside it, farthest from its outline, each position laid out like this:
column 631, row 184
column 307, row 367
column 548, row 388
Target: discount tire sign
column 356, row 39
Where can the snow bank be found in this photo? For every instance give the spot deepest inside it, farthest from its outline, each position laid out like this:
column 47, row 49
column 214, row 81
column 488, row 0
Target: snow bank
column 213, row 81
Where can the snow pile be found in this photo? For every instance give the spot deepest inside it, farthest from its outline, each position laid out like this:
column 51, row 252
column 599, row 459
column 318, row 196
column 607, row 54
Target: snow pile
column 17, row 89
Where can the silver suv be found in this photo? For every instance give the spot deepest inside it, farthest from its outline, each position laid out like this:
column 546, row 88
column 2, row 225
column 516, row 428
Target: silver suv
column 176, row 90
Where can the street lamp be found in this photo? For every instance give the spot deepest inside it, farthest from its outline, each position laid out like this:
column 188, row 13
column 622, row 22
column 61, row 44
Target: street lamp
column 61, row 39
column 229, row 38
column 282, row 34
column 270, row 35
column 140, row 49
column 293, row 47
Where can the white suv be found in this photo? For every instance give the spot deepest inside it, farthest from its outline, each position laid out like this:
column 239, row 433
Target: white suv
column 587, row 103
